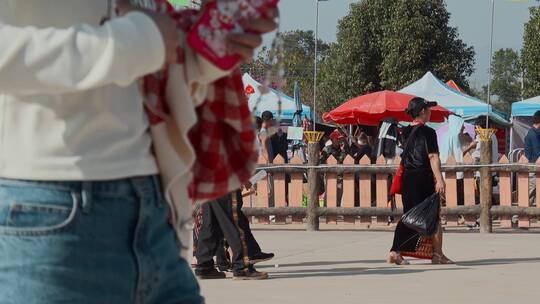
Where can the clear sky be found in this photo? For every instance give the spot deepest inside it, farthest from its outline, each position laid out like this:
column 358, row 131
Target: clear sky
column 471, row 17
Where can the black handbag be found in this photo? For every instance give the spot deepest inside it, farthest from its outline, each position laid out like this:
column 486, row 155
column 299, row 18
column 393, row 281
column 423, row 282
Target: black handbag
column 424, row 217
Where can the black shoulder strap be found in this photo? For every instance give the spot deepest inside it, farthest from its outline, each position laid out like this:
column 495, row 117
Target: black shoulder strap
column 408, row 141
column 413, row 132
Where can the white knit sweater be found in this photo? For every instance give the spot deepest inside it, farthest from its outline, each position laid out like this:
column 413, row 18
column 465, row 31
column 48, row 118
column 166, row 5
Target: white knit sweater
column 69, row 105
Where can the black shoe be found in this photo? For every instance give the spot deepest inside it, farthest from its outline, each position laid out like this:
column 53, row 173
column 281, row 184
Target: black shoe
column 225, row 267
column 260, row 257
column 250, row 274
column 209, row 274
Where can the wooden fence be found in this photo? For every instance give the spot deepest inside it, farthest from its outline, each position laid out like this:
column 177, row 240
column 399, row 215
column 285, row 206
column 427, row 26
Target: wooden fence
column 358, row 194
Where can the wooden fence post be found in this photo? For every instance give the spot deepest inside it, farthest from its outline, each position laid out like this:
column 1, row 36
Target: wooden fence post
column 382, row 191
column 469, row 185
column 486, row 188
column 505, row 186
column 347, row 199
column 280, row 199
column 331, row 191
column 365, row 190
column 537, row 175
column 312, row 220
column 523, row 193
column 263, row 200
column 451, row 192
column 296, row 194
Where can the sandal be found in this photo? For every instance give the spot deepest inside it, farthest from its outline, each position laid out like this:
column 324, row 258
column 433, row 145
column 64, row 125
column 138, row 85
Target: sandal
column 441, row 259
column 396, row 258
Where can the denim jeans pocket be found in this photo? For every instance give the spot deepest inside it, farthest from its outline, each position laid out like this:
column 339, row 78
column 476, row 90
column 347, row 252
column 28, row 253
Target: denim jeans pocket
column 33, row 211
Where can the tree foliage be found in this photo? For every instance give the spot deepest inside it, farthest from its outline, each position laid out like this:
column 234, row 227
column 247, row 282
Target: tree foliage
column 353, row 66
column 418, row 39
column 506, row 76
column 381, row 44
column 531, row 54
column 298, row 62
column 387, row 44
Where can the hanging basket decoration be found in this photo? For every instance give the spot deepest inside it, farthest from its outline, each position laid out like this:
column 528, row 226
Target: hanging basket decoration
column 485, row 134
column 313, row 137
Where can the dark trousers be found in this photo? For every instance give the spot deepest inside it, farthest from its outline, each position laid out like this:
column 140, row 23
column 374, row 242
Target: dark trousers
column 253, row 247
column 219, row 220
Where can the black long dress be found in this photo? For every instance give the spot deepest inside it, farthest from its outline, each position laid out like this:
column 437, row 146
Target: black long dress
column 418, row 183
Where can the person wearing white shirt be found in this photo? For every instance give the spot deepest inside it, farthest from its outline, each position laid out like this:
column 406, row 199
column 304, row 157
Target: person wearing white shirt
column 82, row 215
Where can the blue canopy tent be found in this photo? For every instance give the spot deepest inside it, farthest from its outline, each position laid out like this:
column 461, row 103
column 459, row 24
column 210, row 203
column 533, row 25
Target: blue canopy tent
column 526, row 107
column 522, row 113
column 432, row 88
column 270, row 101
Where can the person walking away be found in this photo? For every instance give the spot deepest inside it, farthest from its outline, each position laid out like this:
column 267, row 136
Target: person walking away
column 255, row 253
column 258, row 126
column 267, row 150
column 220, row 220
column 265, row 134
column 421, row 178
column 532, row 152
column 82, row 213
column 451, row 146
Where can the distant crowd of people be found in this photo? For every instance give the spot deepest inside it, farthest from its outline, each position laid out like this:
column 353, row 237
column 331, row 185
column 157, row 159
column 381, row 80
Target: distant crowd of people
column 224, row 226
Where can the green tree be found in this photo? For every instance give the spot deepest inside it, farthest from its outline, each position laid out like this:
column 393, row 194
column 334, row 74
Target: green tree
column 298, row 62
column 480, row 93
column 506, row 77
column 353, row 66
column 531, row 54
column 387, row 44
column 418, row 39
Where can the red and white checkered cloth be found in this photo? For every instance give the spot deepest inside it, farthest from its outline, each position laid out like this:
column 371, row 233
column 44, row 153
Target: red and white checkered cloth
column 223, row 137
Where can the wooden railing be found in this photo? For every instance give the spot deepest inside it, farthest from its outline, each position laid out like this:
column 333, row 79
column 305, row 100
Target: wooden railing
column 359, row 193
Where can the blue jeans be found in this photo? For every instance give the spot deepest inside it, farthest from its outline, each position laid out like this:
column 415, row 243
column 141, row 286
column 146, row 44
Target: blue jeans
column 90, row 242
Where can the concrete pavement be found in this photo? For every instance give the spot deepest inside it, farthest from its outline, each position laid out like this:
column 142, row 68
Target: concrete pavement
column 333, row 267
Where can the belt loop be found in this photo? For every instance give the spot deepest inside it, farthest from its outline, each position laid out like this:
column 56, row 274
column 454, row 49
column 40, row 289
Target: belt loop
column 86, row 195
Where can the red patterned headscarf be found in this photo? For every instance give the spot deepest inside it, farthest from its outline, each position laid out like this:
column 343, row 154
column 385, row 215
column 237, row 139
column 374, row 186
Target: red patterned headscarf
column 223, row 137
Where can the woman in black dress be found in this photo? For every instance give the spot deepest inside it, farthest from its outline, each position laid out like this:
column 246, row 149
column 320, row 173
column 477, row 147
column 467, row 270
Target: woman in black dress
column 422, row 177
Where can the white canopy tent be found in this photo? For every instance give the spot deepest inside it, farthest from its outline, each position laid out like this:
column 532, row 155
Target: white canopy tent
column 431, row 88
column 270, row 100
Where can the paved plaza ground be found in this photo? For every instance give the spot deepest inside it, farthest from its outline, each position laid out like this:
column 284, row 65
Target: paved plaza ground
column 334, row 267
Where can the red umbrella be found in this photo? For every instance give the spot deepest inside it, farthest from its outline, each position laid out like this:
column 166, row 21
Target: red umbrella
column 370, row 109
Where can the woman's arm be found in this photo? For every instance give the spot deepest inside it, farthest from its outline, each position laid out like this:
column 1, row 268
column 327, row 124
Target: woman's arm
column 265, row 147
column 435, row 162
column 471, row 146
column 82, row 57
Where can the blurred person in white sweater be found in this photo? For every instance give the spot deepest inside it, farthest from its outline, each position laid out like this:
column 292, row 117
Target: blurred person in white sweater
column 82, row 215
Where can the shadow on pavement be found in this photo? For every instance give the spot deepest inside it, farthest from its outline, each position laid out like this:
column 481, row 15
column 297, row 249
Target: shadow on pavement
column 487, row 262
column 324, row 263
column 341, row 272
